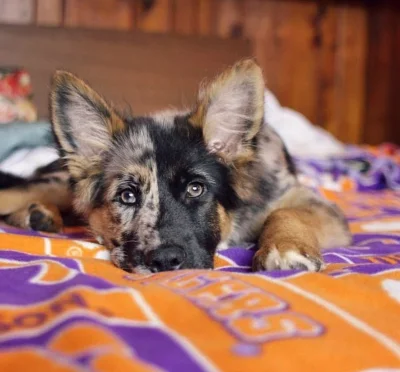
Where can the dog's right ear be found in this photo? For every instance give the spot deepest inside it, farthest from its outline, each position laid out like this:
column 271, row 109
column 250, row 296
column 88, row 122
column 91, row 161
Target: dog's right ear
column 230, row 111
column 83, row 122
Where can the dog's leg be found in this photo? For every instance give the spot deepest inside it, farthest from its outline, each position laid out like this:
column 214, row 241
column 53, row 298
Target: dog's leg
column 52, row 191
column 38, row 217
column 36, row 204
column 300, row 225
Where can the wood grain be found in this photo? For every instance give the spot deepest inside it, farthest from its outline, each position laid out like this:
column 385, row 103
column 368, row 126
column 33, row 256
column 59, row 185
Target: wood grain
column 313, row 55
column 326, row 26
column 336, row 62
column 99, row 14
column 207, row 17
column 350, row 74
column 394, row 88
column 230, row 18
column 49, row 12
column 284, row 45
column 185, row 16
column 145, row 71
column 158, row 18
column 17, row 11
column 381, row 72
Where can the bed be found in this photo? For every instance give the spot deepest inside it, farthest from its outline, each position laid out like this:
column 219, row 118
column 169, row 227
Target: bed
column 64, row 307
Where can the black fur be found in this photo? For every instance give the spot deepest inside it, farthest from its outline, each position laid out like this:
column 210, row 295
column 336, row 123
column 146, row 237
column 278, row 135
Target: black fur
column 8, row 180
column 289, row 161
column 63, row 104
column 181, row 157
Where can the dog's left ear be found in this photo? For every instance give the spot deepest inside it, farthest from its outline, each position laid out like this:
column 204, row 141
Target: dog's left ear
column 83, row 122
column 230, row 110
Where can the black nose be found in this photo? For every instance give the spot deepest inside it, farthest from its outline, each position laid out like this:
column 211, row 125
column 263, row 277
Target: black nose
column 166, row 258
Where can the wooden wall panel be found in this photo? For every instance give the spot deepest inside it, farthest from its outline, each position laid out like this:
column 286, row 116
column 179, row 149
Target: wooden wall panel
column 334, row 61
column 325, row 39
column 101, row 14
column 17, row 11
column 289, row 45
column 350, row 74
column 186, row 16
column 313, row 55
column 394, row 87
column 49, row 12
column 207, row 17
column 149, row 72
column 296, row 67
column 230, row 15
column 259, row 26
column 382, row 71
column 158, row 18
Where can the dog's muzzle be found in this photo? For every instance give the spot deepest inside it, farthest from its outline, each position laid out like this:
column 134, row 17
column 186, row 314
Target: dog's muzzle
column 165, row 258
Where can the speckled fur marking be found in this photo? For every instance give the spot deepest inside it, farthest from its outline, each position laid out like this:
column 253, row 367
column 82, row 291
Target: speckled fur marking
column 247, row 181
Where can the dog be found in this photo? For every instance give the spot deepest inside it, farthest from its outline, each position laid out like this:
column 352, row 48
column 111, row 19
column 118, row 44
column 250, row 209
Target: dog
column 166, row 191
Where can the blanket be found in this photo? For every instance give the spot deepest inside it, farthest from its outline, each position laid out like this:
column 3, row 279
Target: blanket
column 64, row 307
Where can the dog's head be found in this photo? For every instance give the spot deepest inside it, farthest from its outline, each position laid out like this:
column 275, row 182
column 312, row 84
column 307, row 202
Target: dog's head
column 159, row 190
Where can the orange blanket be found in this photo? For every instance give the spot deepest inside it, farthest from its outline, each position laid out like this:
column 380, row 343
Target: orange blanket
column 65, row 308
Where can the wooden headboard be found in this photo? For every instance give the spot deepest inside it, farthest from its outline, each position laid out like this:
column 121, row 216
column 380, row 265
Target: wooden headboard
column 148, row 72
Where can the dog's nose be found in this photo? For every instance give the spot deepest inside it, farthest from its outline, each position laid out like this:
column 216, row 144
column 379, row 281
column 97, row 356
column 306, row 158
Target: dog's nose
column 166, row 258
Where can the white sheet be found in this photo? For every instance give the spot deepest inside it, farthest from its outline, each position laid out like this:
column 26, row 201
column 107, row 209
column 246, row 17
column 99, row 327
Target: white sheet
column 302, row 138
column 24, row 162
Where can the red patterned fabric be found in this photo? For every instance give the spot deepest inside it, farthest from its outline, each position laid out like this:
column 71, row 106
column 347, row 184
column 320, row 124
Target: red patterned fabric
column 15, row 96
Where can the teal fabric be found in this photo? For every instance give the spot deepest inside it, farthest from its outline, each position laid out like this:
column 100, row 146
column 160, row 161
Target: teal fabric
column 17, row 135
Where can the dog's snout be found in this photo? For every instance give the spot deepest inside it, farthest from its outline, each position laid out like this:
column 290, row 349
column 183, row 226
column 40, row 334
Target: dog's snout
column 166, row 258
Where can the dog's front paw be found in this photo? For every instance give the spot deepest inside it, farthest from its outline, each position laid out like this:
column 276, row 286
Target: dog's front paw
column 44, row 218
column 288, row 255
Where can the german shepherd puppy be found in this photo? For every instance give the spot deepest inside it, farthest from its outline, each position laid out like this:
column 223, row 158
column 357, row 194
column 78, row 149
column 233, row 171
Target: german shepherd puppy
column 164, row 192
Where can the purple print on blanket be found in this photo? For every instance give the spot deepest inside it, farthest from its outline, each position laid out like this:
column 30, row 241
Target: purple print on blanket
column 35, row 325
column 365, row 169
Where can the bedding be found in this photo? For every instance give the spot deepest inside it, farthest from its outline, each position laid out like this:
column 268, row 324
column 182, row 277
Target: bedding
column 64, row 307
column 24, row 136
column 301, row 137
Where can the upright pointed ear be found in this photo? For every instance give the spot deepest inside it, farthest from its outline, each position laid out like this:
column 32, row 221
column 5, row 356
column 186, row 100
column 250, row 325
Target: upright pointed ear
column 82, row 121
column 230, row 110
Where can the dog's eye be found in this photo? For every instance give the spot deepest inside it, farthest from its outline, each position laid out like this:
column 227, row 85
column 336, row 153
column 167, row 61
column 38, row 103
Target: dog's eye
column 127, row 197
column 195, row 190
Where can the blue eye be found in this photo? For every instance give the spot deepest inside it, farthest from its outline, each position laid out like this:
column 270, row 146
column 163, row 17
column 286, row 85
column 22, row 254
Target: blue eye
column 195, row 190
column 127, row 197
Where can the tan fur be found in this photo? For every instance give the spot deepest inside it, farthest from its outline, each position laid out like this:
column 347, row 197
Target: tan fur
column 222, row 98
column 84, row 191
column 325, row 220
column 81, row 167
column 142, row 173
column 225, row 222
column 290, row 222
column 57, row 194
column 100, row 222
column 299, row 223
column 291, row 228
column 167, row 117
column 50, row 217
column 243, row 181
column 63, row 78
column 84, row 163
